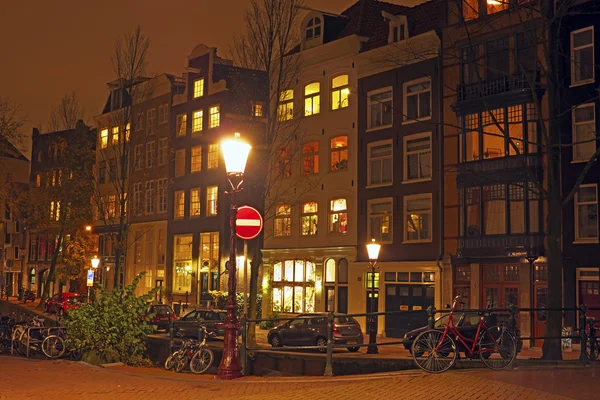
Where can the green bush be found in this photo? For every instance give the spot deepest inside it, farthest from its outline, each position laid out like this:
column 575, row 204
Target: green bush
column 220, row 298
column 112, row 327
column 271, row 324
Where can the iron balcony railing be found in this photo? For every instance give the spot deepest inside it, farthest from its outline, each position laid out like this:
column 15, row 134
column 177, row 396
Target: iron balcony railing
column 490, row 87
column 501, row 245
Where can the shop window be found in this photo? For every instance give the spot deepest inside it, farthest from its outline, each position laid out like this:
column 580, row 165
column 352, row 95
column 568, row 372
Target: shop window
column 294, row 286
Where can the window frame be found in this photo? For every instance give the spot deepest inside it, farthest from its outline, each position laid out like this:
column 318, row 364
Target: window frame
column 198, row 88
column 311, row 98
column 138, row 157
column 214, row 117
column 162, row 150
column 161, row 195
column 331, row 213
column 380, row 200
column 178, row 205
column 282, row 218
column 574, row 130
column 149, row 193
column 405, row 119
column 178, row 156
column 340, row 91
column 180, row 122
column 420, row 196
column 150, row 153
column 406, row 153
column 285, row 106
column 313, row 223
column 370, row 145
column 577, row 203
column 151, row 121
column 104, row 138
column 197, row 115
column 339, row 150
column 198, row 190
column 313, row 28
column 198, row 158
column 213, row 162
column 370, row 102
column 572, row 54
column 212, row 197
column 310, row 158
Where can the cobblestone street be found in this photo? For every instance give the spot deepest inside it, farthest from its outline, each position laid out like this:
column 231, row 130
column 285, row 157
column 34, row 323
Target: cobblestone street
column 24, row 379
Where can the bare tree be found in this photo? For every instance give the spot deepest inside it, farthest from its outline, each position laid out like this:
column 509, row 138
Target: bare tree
column 11, row 121
column 66, row 114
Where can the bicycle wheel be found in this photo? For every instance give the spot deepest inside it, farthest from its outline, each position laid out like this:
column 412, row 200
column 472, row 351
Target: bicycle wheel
column 19, row 339
column 497, row 348
column 171, row 361
column 181, row 363
column 433, row 352
column 53, row 346
column 201, row 361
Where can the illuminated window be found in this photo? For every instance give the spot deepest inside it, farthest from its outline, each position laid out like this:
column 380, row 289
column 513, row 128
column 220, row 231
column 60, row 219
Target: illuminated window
column 417, row 218
column 212, row 200
column 179, row 204
column 198, row 88
column 257, row 108
column 182, row 264
column 339, row 92
column 195, row 202
column 309, row 218
column 470, row 9
column 55, row 210
column 115, row 135
column 197, row 117
column 311, row 158
column 181, row 124
column 285, row 108
column 380, row 220
column 494, row 6
column 339, row 153
column 213, row 156
column 111, row 208
column 312, row 98
column 313, row 28
column 294, row 287
column 338, row 216
column 128, row 131
column 215, row 117
column 104, row 138
column 283, row 221
column 285, row 162
column 209, row 256
column 196, row 164
column 38, row 180
column 151, row 121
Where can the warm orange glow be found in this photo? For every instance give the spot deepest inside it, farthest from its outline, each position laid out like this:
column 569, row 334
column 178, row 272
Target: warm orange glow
column 88, row 228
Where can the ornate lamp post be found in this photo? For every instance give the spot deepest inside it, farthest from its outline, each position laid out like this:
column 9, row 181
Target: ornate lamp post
column 95, row 264
column 235, row 153
column 373, row 250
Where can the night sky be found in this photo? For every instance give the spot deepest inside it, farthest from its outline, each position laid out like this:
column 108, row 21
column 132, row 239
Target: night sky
column 51, row 48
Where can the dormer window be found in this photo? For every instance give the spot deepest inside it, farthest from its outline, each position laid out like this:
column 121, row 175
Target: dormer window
column 397, row 33
column 313, row 28
column 398, row 27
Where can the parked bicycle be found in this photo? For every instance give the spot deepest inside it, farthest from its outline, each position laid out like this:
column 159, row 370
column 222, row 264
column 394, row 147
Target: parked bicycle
column 436, row 350
column 192, row 352
column 23, row 338
column 7, row 324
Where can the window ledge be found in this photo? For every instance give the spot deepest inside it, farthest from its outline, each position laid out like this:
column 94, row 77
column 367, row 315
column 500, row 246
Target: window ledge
column 378, row 128
column 586, row 82
column 417, row 241
column 580, row 161
column 379, row 185
column 588, row 241
column 413, row 121
column 338, row 109
column 406, row 182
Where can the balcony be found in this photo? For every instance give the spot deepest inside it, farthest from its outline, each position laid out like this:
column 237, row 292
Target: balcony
column 524, row 167
column 501, row 245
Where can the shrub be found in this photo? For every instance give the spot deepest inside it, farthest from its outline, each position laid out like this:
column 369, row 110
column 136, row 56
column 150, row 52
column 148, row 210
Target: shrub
column 113, row 326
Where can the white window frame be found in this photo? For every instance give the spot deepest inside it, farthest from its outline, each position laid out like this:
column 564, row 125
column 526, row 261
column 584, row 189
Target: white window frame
column 163, row 114
column 576, row 204
column 370, row 102
column 176, row 205
column 312, row 99
column 162, row 190
column 406, row 154
column 391, row 157
column 214, row 117
column 199, row 202
column 381, row 200
column 313, row 28
column 198, row 84
column 405, row 119
column 149, row 193
column 420, row 196
column 401, row 25
column 138, row 157
column 212, row 199
column 573, row 130
column 151, row 121
column 340, row 90
column 162, row 151
column 573, row 50
column 150, row 153
column 285, row 106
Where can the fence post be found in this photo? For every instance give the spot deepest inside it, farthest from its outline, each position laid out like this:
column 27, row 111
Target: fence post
column 583, row 357
column 329, row 359
column 171, row 335
column 592, row 341
column 243, row 346
column 431, row 317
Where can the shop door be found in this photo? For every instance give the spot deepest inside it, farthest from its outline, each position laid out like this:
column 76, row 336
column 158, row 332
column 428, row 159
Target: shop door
column 413, row 300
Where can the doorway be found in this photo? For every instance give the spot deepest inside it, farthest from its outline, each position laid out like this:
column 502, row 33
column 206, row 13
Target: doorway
column 415, row 299
column 500, row 286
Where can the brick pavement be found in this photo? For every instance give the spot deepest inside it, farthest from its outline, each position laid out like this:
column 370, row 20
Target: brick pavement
column 23, row 379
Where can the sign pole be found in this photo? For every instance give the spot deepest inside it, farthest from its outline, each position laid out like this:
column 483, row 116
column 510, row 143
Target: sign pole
column 245, row 277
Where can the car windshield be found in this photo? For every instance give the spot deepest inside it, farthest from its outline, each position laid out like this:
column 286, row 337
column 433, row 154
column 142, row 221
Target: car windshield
column 74, row 300
column 441, row 321
column 344, row 320
column 160, row 309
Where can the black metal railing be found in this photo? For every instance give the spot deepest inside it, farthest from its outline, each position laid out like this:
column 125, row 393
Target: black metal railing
column 513, row 245
column 528, row 165
column 495, row 86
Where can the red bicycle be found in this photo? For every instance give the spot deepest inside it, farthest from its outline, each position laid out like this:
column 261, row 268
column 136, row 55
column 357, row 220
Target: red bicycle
column 436, row 350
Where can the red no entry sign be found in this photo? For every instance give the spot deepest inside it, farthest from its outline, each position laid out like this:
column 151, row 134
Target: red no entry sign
column 249, row 223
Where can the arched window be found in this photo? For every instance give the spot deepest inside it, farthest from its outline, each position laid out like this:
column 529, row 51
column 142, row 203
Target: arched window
column 313, row 28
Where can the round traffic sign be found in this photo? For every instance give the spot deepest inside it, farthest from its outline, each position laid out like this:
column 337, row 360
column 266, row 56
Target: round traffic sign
column 249, row 223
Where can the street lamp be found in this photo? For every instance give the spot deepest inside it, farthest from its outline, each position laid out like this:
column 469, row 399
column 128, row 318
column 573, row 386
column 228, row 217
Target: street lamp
column 95, row 264
column 373, row 251
column 235, row 153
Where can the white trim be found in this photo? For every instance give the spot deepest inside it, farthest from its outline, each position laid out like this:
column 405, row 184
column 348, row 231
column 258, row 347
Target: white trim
column 406, row 154
column 572, row 63
column 381, row 200
column 372, row 93
column 408, row 198
column 573, row 131
column 405, row 119
column 576, row 204
column 369, row 158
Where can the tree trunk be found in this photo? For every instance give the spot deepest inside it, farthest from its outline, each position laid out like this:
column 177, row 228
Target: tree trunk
column 51, row 272
column 551, row 350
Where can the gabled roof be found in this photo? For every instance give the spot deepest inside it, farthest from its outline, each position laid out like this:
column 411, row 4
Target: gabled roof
column 8, row 150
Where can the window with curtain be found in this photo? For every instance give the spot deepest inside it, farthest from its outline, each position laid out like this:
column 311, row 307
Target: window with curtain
column 310, row 218
column 494, row 209
column 312, row 99
column 493, row 133
column 338, row 216
column 339, row 92
column 339, row 153
column 310, row 158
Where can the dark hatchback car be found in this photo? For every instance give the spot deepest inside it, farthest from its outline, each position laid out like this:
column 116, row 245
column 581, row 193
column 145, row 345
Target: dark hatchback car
column 311, row 330
column 163, row 315
column 189, row 324
column 466, row 322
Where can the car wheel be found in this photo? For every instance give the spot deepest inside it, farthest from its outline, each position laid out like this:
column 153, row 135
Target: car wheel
column 275, row 341
column 322, row 344
column 353, row 349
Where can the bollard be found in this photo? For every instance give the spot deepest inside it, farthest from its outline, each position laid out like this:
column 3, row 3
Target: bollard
column 243, row 346
column 582, row 324
column 431, row 317
column 329, row 359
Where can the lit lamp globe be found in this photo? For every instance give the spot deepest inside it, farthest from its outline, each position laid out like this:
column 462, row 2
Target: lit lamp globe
column 95, row 262
column 373, row 250
column 235, row 152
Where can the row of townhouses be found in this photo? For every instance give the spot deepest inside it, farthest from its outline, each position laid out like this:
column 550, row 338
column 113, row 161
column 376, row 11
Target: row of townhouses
column 414, row 126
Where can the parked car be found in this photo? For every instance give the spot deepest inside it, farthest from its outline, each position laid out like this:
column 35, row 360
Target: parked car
column 466, row 322
column 61, row 303
column 163, row 314
column 189, row 324
column 311, row 330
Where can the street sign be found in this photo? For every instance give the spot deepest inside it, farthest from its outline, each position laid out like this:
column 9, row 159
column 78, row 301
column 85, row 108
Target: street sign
column 90, row 277
column 249, row 223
